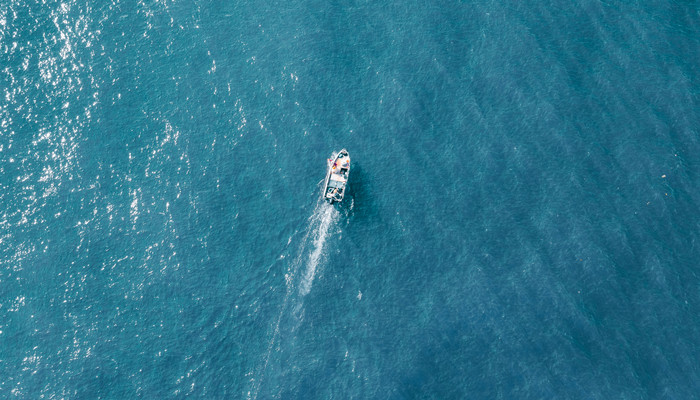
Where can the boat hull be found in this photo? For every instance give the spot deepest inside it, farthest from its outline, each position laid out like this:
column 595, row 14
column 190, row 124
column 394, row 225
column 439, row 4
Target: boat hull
column 337, row 177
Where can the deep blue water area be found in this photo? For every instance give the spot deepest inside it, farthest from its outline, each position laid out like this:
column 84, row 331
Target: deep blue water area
column 521, row 219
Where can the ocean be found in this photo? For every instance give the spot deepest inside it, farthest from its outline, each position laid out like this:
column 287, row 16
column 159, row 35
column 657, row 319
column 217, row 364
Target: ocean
column 521, row 219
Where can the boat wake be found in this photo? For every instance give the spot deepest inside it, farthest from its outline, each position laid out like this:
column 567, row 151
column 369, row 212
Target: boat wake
column 324, row 218
column 299, row 280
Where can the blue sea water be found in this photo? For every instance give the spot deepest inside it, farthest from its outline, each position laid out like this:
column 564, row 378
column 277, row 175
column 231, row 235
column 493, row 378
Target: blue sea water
column 521, row 220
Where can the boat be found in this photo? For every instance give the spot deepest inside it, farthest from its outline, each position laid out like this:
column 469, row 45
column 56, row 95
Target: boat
column 337, row 176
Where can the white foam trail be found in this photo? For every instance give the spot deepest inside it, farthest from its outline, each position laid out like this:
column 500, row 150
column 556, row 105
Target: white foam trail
column 321, row 233
column 319, row 225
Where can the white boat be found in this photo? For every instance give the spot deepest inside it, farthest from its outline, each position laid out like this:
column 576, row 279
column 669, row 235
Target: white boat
column 337, row 176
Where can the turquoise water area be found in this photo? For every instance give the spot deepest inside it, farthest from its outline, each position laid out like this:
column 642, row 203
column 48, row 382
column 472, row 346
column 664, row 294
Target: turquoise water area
column 521, row 219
